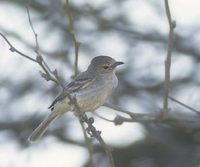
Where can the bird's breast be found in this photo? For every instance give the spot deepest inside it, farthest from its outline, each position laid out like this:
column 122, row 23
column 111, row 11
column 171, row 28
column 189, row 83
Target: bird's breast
column 95, row 96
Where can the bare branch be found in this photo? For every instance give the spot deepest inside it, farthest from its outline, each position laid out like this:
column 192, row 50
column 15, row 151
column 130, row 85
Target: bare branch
column 33, row 30
column 48, row 74
column 184, row 105
column 13, row 49
column 103, row 118
column 134, row 117
column 76, row 49
column 72, row 32
column 118, row 108
column 172, row 25
column 93, row 132
column 181, row 121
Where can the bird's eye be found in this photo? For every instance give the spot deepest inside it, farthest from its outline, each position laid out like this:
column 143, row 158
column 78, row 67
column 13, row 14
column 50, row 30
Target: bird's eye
column 105, row 67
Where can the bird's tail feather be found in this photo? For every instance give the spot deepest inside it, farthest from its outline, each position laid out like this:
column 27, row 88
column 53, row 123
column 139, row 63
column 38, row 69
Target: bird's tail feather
column 41, row 129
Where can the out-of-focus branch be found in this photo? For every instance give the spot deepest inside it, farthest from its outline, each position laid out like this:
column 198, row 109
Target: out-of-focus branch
column 75, row 41
column 33, row 30
column 133, row 117
column 184, row 105
column 172, row 25
column 183, row 121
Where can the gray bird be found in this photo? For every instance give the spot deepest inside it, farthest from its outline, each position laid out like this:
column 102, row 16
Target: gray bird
column 90, row 88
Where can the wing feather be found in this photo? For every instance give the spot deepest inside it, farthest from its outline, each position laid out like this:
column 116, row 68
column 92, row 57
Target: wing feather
column 78, row 84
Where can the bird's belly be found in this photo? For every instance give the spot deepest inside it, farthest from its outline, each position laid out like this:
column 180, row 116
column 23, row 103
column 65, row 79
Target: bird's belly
column 90, row 103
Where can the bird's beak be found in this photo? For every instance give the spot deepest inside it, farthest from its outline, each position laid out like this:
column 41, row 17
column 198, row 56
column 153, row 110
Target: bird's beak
column 117, row 63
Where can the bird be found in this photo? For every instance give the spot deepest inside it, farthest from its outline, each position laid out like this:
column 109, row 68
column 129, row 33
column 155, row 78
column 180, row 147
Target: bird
column 91, row 89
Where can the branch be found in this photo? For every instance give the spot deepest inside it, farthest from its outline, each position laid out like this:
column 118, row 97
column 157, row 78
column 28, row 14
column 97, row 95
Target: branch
column 172, row 25
column 93, row 132
column 184, row 121
column 49, row 74
column 76, row 43
column 184, row 105
column 13, row 49
column 32, row 28
column 133, row 117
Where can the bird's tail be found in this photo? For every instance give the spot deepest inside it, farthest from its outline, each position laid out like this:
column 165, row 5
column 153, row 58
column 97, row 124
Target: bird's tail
column 41, row 129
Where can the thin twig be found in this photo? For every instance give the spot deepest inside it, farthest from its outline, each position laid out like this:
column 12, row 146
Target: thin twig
column 33, row 30
column 72, row 32
column 115, row 107
column 49, row 74
column 103, row 118
column 180, row 121
column 184, row 105
column 76, row 49
column 13, row 49
column 134, row 117
column 172, row 25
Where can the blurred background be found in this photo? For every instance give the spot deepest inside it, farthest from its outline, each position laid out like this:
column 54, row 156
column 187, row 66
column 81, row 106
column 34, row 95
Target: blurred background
column 133, row 31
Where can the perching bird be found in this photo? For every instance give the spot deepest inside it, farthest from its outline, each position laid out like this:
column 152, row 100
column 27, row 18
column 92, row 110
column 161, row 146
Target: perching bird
column 90, row 88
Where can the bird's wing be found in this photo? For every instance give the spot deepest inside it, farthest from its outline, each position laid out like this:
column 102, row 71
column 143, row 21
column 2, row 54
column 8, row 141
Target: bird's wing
column 79, row 83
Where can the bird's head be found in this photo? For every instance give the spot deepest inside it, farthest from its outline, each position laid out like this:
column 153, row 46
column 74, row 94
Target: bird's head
column 103, row 65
